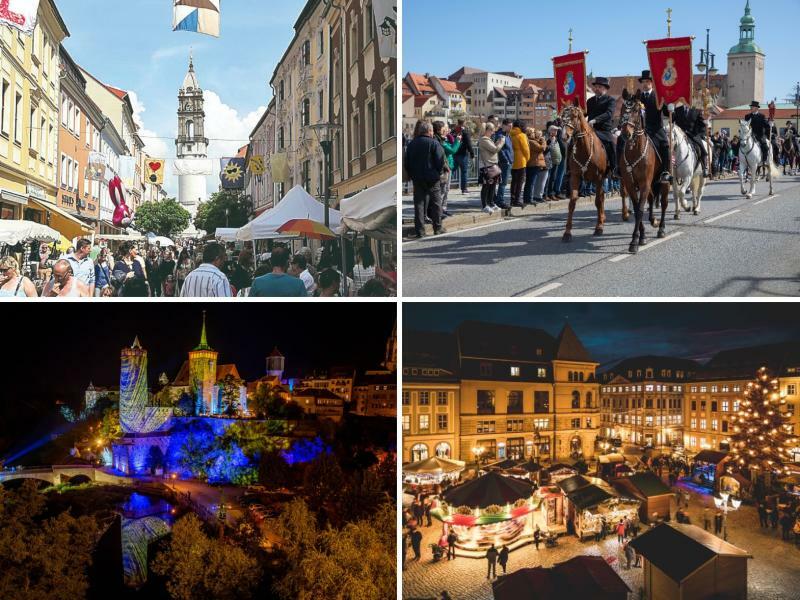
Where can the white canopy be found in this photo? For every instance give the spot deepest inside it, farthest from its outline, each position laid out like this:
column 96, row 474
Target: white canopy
column 373, row 212
column 164, row 241
column 226, row 234
column 297, row 204
column 14, row 232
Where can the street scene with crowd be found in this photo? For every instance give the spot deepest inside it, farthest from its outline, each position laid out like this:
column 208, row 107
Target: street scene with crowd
column 192, row 269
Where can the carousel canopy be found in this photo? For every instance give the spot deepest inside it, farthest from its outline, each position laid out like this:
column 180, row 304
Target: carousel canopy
column 488, row 489
column 579, row 577
column 679, row 550
column 14, row 232
column 434, row 465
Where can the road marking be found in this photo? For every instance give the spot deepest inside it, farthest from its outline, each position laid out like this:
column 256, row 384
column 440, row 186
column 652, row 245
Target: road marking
column 429, row 238
column 767, row 199
column 543, row 290
column 656, row 242
column 722, row 216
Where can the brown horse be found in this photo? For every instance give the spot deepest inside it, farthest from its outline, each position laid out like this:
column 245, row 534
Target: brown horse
column 640, row 169
column 587, row 161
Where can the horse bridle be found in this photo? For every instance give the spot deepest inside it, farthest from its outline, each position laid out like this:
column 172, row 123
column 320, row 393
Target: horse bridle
column 574, row 156
column 638, row 130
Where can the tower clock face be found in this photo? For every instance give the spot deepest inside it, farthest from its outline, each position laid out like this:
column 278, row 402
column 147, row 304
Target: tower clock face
column 187, row 106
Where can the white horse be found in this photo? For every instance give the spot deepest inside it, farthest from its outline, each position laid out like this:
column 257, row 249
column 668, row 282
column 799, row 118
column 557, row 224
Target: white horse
column 688, row 172
column 750, row 157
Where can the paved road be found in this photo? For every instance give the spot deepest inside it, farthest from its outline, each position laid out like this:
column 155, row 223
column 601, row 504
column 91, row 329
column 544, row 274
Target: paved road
column 772, row 574
column 736, row 247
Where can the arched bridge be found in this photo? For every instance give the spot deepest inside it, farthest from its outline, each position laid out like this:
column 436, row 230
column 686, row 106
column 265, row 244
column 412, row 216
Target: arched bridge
column 56, row 474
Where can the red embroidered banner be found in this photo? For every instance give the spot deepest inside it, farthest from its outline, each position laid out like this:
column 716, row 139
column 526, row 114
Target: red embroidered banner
column 671, row 67
column 570, row 74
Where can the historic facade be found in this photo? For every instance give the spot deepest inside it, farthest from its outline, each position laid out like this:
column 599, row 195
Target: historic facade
column 491, row 391
column 191, row 142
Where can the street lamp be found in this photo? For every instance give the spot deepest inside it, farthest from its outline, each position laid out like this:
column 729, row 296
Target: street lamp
column 325, row 133
column 706, row 64
column 726, row 504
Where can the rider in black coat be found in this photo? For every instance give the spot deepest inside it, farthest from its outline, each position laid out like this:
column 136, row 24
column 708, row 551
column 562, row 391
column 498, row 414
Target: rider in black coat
column 600, row 114
column 653, row 124
column 694, row 126
column 761, row 129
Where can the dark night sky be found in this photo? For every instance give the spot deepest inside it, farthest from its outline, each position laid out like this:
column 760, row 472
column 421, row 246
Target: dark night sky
column 612, row 331
column 58, row 349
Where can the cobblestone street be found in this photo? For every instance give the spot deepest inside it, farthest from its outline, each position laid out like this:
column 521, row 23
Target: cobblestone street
column 773, row 573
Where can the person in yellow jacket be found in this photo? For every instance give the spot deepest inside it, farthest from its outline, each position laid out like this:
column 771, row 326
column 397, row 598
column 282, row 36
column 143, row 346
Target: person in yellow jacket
column 522, row 153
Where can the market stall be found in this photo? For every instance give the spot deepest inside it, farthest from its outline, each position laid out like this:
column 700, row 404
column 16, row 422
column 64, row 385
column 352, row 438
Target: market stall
column 530, row 470
column 550, row 515
column 492, row 509
column 432, row 471
column 610, row 465
column 589, row 500
column 707, row 466
column 655, row 495
column 558, row 471
column 22, row 239
column 373, row 214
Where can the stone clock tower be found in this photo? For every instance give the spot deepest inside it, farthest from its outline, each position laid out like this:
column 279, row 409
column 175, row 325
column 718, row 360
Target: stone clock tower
column 191, row 142
column 746, row 63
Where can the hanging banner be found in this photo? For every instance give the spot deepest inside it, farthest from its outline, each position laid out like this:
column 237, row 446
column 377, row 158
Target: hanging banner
column 154, row 171
column 256, row 166
column 280, row 167
column 232, row 173
column 96, row 167
column 127, row 170
column 570, row 74
column 198, row 16
column 671, row 67
column 19, row 14
column 385, row 12
column 192, row 166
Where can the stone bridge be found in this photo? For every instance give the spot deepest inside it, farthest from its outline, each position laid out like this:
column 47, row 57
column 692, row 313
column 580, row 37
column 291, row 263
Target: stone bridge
column 57, row 474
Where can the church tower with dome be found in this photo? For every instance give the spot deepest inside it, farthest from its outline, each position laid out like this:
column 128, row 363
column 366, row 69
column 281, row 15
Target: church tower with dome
column 746, row 63
column 191, row 142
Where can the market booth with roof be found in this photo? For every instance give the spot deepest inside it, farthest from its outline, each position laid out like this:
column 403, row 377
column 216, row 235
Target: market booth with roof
column 655, row 495
column 491, row 509
column 707, row 467
column 687, row 563
column 590, row 502
column 433, row 470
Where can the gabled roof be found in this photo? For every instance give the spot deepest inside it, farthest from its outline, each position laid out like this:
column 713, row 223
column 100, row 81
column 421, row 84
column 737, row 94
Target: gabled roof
column 570, row 484
column 657, row 364
column 569, row 347
column 419, row 84
column 494, row 340
column 679, row 550
column 121, row 94
column 649, row 484
column 588, row 496
column 744, row 362
column 225, row 370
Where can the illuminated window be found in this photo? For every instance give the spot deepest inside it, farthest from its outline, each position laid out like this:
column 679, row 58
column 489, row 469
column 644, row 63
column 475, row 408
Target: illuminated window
column 406, row 422
column 424, row 398
column 424, row 422
column 515, row 371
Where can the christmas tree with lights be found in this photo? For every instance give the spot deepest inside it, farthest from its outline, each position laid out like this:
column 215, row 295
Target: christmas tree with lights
column 762, row 437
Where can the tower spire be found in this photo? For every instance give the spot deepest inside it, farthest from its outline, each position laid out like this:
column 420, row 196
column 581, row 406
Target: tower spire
column 203, row 340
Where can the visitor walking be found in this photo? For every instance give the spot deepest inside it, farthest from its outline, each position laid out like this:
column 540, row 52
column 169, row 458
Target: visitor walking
column 522, row 153
column 82, row 265
column 450, row 145
column 464, row 154
column 762, row 515
column 451, row 545
column 718, row 523
column 506, row 161
column 489, row 171
column 278, row 284
column 416, row 543
column 503, row 558
column 12, row 283
column 491, row 559
column 773, row 517
column 629, row 555
column 428, row 520
column 208, row 280
column 706, row 518
column 537, row 537
column 786, row 526
column 424, row 163
column 556, row 156
column 64, row 284
column 364, row 269
column 621, row 532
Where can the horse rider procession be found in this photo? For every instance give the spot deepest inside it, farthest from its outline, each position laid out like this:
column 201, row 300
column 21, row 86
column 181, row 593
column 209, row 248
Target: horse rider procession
column 662, row 140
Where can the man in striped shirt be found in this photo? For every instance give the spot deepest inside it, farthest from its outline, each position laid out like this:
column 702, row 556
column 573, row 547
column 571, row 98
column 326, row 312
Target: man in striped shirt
column 207, row 281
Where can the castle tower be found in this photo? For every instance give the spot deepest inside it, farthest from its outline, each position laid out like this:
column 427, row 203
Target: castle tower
column 390, row 360
column 203, row 373
column 90, row 398
column 275, row 364
column 746, row 65
column 191, row 141
column 133, row 388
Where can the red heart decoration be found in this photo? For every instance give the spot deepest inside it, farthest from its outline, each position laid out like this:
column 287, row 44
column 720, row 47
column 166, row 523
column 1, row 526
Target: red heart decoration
column 155, row 166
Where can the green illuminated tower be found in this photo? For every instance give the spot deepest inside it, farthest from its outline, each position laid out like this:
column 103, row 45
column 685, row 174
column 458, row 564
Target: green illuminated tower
column 203, row 373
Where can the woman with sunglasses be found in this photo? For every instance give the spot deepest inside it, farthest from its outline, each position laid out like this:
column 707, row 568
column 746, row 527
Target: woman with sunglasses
column 12, row 284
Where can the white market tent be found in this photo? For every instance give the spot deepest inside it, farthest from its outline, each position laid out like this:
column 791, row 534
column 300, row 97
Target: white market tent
column 164, row 241
column 373, row 212
column 297, row 204
column 14, row 232
column 226, row 234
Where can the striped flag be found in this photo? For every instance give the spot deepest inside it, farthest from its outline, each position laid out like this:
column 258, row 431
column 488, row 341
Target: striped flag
column 200, row 16
column 19, row 14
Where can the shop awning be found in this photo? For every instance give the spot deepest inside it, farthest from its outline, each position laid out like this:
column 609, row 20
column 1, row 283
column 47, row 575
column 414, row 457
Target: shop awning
column 7, row 196
column 373, row 212
column 68, row 225
column 14, row 232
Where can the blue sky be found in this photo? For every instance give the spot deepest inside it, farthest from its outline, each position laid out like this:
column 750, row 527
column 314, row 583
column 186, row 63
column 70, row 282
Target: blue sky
column 131, row 45
column 523, row 35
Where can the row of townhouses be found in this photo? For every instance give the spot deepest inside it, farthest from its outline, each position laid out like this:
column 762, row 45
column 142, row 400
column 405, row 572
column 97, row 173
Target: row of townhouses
column 54, row 113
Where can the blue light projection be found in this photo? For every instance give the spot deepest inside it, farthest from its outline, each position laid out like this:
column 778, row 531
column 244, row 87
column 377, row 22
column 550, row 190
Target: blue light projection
column 304, row 451
column 107, row 457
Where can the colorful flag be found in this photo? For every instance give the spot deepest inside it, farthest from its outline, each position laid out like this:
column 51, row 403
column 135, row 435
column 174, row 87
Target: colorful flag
column 20, row 14
column 280, row 167
column 155, row 171
column 671, row 69
column 192, row 166
column 570, row 74
column 232, row 173
column 256, row 166
column 200, row 16
column 385, row 12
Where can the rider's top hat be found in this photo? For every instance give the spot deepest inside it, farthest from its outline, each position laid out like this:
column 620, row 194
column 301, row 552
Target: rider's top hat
column 602, row 81
column 755, row 104
column 646, row 76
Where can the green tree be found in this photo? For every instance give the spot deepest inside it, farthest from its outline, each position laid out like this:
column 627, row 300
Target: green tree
column 42, row 558
column 166, row 218
column 322, row 480
column 212, row 214
column 297, row 528
column 197, row 566
column 356, row 562
column 230, row 394
column 110, row 428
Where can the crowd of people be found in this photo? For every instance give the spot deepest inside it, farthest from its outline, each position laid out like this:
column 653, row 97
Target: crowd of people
column 195, row 269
